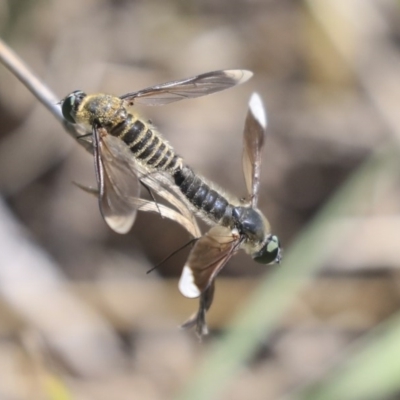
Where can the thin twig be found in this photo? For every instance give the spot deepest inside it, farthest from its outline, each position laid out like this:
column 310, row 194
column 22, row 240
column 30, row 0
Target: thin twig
column 18, row 68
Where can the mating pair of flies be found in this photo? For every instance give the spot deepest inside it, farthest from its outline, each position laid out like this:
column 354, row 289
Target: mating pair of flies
column 128, row 151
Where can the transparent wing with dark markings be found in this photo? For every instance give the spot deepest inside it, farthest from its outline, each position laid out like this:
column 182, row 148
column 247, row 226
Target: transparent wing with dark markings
column 162, row 184
column 166, row 212
column 198, row 320
column 209, row 255
column 254, row 133
column 119, row 179
column 188, row 88
column 117, row 184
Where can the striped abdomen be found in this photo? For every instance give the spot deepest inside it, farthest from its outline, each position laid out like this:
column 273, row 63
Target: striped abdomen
column 146, row 144
column 211, row 203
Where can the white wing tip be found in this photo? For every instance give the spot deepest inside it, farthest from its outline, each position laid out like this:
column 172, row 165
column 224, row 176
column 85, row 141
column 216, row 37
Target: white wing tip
column 246, row 75
column 120, row 225
column 186, row 284
column 257, row 109
column 241, row 75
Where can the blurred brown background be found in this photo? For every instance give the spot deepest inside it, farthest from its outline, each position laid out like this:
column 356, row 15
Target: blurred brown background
column 76, row 303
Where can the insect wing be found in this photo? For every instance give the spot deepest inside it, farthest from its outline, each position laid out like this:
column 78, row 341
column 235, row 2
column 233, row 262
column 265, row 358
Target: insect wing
column 209, row 255
column 198, row 320
column 162, row 184
column 254, row 132
column 116, row 182
column 188, row 88
column 122, row 176
column 166, row 212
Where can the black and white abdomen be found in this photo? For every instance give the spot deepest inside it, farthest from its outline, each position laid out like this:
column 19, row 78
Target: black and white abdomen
column 211, row 204
column 146, row 144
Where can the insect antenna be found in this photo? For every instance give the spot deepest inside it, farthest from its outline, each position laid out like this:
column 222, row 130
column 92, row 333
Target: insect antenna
column 190, row 242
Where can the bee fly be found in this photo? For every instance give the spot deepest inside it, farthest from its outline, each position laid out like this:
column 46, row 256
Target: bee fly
column 126, row 146
column 237, row 224
column 129, row 151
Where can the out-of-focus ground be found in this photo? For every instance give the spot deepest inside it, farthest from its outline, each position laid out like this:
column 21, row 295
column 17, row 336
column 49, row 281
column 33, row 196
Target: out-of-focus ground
column 76, row 306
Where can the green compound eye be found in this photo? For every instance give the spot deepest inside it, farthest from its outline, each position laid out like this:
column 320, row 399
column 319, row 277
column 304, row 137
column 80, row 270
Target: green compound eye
column 70, row 105
column 270, row 253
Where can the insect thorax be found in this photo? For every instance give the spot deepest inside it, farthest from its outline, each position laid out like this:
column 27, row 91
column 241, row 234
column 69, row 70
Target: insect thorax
column 215, row 208
column 250, row 223
column 102, row 109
